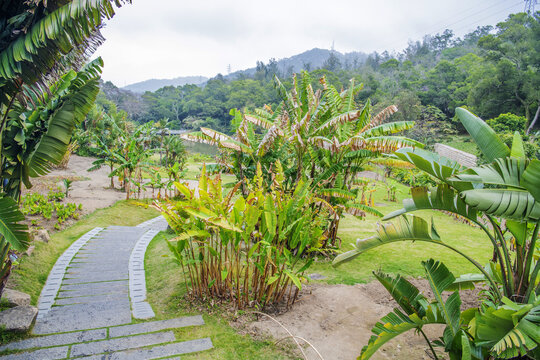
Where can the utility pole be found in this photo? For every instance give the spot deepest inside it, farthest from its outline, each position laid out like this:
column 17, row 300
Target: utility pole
column 529, row 6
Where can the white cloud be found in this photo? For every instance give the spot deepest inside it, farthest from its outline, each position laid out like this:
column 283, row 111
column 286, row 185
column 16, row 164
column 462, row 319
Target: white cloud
column 170, row 38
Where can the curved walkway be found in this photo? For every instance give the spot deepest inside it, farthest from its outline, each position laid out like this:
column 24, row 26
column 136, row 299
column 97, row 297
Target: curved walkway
column 95, row 290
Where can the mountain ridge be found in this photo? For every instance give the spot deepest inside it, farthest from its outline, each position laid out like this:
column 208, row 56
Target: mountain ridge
column 156, row 84
column 307, row 60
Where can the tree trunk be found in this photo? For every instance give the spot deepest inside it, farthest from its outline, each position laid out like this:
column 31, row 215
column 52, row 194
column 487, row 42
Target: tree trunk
column 112, row 176
column 6, row 271
column 534, row 120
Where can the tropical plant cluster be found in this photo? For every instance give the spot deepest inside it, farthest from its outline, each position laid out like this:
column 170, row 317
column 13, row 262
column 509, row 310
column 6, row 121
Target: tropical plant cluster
column 322, row 137
column 246, row 248
column 492, row 70
column 502, row 198
column 411, row 177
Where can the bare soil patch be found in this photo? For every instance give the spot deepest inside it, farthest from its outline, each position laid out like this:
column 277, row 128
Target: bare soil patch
column 89, row 188
column 337, row 320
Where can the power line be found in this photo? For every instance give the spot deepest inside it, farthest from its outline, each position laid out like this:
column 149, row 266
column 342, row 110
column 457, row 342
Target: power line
column 483, row 10
column 529, row 6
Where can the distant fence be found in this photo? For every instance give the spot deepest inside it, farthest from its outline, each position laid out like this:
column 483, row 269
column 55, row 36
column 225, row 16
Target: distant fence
column 175, row 132
column 461, row 157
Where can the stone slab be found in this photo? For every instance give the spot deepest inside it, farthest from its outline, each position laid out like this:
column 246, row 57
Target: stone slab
column 142, row 310
column 122, row 343
column 42, row 354
column 95, row 288
column 57, row 340
column 121, row 296
column 15, row 298
column 152, row 326
column 82, row 317
column 19, row 318
column 168, row 350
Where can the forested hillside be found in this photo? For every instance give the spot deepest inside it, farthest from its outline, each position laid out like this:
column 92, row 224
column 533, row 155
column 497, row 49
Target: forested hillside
column 492, row 71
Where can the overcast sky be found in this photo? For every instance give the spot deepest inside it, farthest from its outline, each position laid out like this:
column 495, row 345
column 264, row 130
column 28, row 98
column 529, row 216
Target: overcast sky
column 171, row 38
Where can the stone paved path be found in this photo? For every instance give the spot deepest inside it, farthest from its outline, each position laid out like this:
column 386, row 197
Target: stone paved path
column 95, row 290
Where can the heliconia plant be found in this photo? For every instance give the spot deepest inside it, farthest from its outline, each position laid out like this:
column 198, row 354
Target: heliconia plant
column 245, row 249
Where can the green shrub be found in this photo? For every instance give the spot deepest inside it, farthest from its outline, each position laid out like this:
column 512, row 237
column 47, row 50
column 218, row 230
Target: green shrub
column 412, row 177
column 508, row 123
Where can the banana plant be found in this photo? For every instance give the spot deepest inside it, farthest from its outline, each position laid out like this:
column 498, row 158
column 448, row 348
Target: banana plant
column 37, row 135
column 503, row 193
column 321, row 136
column 503, row 199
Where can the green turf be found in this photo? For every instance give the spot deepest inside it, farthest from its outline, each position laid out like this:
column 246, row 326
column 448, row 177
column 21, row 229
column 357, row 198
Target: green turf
column 403, row 257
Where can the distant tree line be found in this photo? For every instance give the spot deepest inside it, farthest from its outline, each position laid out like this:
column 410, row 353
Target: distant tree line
column 492, row 70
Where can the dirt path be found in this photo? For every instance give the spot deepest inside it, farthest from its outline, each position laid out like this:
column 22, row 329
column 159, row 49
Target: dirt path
column 337, row 320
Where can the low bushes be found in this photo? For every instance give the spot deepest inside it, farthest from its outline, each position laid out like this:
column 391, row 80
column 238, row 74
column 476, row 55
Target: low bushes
column 49, row 205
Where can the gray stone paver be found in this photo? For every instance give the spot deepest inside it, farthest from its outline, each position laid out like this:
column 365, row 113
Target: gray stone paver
column 155, row 326
column 56, row 340
column 90, row 297
column 42, row 354
column 161, row 351
column 122, row 343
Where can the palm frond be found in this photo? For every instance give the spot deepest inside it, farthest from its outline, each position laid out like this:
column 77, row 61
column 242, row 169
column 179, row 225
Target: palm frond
column 259, row 121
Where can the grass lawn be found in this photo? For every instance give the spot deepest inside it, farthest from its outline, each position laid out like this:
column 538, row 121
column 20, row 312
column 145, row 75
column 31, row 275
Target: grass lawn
column 461, row 143
column 31, row 274
column 404, row 257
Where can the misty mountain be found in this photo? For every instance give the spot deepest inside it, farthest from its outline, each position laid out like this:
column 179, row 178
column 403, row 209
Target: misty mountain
column 155, row 84
column 308, row 60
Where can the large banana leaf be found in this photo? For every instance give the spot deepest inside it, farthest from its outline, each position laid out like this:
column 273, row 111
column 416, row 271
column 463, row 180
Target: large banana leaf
column 54, row 143
column 404, row 230
column 397, row 323
column 408, row 297
column 435, row 165
column 440, row 198
column 508, row 204
column 55, row 40
column 440, row 278
column 487, row 140
column 504, row 171
column 530, row 179
column 388, row 128
column 14, row 233
column 509, row 331
column 466, row 282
